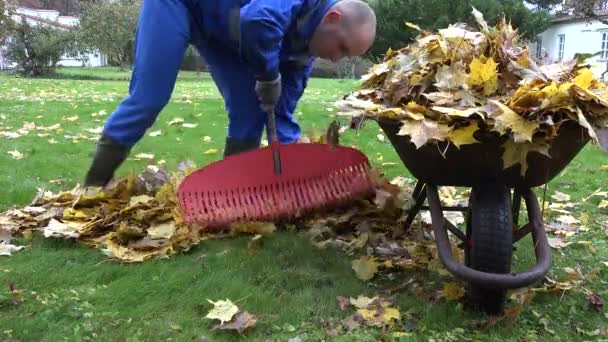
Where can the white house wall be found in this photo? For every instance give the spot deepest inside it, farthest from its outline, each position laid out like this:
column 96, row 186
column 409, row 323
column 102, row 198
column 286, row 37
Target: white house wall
column 580, row 37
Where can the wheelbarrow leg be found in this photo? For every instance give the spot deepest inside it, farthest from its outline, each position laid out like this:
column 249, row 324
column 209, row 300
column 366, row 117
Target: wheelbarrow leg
column 420, row 196
column 516, row 206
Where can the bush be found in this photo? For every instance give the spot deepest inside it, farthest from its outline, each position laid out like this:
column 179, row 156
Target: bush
column 353, row 67
column 37, row 49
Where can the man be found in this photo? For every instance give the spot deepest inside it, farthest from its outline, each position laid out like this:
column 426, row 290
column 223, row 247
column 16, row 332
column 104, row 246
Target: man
column 259, row 53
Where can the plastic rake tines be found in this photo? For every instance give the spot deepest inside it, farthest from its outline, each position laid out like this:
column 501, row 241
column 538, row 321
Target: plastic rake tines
column 272, row 197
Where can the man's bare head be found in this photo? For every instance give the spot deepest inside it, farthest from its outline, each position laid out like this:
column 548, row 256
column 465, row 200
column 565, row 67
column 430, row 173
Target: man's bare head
column 347, row 29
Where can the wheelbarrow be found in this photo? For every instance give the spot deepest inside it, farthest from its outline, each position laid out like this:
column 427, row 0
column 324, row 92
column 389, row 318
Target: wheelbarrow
column 492, row 214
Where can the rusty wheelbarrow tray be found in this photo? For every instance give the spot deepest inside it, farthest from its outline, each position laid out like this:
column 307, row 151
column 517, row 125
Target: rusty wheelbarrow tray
column 493, row 213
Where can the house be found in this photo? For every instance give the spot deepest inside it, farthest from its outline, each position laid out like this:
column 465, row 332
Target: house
column 570, row 34
column 52, row 17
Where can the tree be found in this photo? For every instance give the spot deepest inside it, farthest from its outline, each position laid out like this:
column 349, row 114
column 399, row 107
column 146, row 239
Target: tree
column 65, row 7
column 6, row 23
column 37, row 49
column 591, row 9
column 436, row 14
column 109, row 25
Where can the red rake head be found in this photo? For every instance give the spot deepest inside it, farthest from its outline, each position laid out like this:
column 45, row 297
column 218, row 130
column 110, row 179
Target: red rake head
column 245, row 188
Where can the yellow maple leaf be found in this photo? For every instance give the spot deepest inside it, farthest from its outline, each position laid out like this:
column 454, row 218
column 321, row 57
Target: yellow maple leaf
column 584, row 79
column 556, row 97
column 484, row 75
column 505, row 118
column 223, row 310
column 379, row 316
column 464, row 136
column 362, row 302
column 421, row 132
column 452, row 291
column 365, row 267
column 517, row 153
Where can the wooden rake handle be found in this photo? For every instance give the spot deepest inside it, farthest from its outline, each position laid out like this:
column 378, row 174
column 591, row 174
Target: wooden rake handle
column 272, row 127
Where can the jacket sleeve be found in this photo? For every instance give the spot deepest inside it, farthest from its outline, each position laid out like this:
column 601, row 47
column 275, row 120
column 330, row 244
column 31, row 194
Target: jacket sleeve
column 263, row 24
column 294, row 82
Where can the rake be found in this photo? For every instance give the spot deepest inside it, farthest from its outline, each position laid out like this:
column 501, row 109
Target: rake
column 276, row 182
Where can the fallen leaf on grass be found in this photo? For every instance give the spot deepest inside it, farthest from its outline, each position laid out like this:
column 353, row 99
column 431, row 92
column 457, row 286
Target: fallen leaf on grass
column 155, row 133
column 241, row 322
column 207, row 139
column 604, row 167
column 176, row 121
column 557, row 243
column 362, row 302
column 144, row 156
column 211, row 151
column 596, row 302
column 568, row 219
column 7, row 249
column 189, row 125
column 603, row 204
column 223, row 310
column 381, row 137
column 452, row 291
column 378, row 314
column 365, row 267
column 15, row 154
column 343, row 302
column 561, row 197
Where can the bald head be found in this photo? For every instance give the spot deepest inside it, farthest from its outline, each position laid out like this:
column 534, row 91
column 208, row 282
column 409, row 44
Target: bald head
column 347, row 29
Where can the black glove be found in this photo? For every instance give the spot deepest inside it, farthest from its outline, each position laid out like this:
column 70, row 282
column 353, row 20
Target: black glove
column 108, row 157
column 268, row 93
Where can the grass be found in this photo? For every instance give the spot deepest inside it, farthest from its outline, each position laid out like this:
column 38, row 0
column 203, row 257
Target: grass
column 72, row 293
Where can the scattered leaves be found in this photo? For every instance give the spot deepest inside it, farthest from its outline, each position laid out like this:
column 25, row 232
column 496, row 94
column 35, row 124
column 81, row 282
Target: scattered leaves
column 365, row 267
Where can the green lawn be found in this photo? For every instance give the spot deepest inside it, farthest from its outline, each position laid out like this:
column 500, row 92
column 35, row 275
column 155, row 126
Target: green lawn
column 72, row 293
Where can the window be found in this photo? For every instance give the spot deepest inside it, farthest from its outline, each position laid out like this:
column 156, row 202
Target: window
column 604, row 50
column 539, row 47
column 562, row 43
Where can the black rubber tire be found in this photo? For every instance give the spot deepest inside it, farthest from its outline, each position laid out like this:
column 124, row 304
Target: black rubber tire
column 490, row 242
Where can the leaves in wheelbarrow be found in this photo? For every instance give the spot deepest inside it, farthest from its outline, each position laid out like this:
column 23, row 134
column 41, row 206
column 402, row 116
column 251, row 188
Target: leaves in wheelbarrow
column 462, row 68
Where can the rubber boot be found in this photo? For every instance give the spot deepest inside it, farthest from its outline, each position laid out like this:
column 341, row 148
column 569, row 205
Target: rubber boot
column 236, row 146
column 109, row 155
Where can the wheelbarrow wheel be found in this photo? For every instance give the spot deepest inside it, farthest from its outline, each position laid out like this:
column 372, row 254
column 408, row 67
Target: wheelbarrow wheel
column 490, row 242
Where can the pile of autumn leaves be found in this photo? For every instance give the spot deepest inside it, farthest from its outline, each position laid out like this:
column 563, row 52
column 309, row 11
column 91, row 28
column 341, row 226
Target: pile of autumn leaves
column 450, row 84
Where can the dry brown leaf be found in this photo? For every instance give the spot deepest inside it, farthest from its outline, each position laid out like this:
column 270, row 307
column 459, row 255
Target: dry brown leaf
column 241, row 322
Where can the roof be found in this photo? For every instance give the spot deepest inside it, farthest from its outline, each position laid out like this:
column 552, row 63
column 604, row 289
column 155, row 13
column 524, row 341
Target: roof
column 46, row 21
column 575, row 19
column 32, row 4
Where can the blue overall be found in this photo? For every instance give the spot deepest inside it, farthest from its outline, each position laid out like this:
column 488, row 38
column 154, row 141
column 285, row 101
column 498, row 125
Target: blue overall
column 241, row 40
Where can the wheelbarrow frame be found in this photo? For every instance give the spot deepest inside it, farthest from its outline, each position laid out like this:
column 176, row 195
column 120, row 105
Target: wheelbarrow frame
column 442, row 164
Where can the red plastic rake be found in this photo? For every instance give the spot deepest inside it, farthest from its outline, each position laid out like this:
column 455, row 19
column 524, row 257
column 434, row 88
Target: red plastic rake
column 278, row 181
